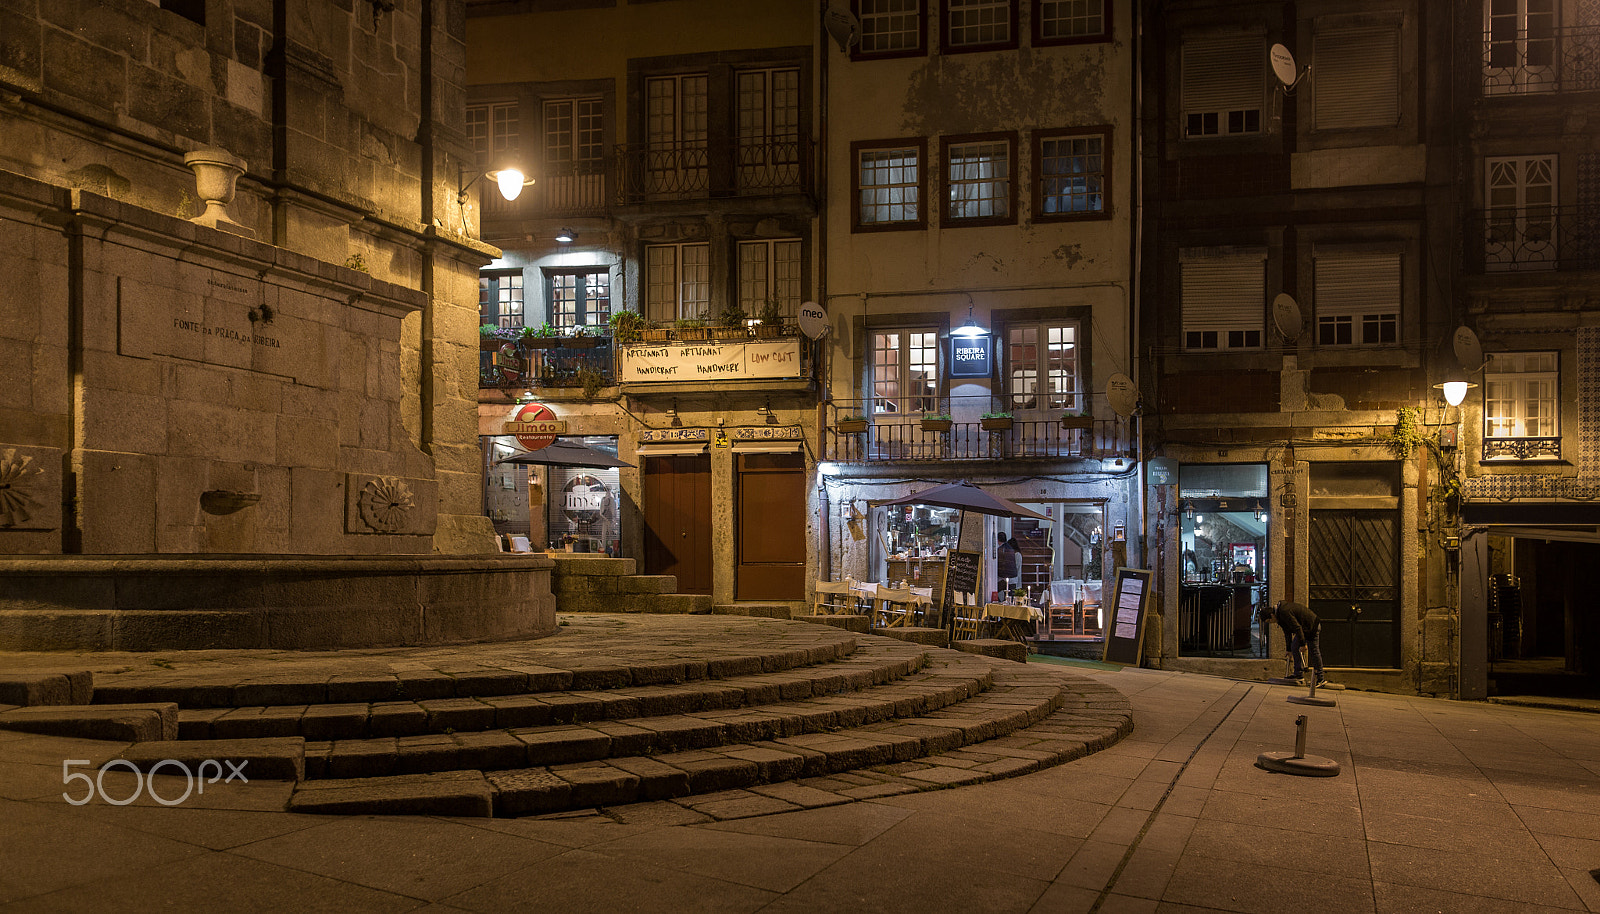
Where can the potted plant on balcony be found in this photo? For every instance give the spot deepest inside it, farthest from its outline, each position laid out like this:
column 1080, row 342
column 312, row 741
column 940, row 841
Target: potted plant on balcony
column 627, row 326
column 541, row 337
column 933, row 423
column 591, row 380
column 770, row 319
column 995, row 422
column 1074, row 419
column 731, row 324
column 491, row 337
column 581, row 337
column 689, row 329
column 851, row 425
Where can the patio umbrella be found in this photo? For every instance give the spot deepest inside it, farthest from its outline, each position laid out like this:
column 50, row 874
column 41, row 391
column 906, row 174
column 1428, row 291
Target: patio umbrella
column 561, row 453
column 965, row 496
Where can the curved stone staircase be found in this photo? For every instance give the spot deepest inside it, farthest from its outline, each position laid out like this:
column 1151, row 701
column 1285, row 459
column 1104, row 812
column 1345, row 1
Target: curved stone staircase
column 701, row 716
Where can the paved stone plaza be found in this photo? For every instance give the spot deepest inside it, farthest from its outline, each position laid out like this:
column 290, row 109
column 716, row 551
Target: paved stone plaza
column 1440, row 806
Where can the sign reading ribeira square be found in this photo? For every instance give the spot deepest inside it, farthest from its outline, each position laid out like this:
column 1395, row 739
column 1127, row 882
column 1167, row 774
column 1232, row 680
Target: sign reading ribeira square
column 535, row 425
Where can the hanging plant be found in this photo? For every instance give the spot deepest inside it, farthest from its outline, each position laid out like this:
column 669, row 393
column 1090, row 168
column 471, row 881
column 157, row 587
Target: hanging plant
column 1407, row 433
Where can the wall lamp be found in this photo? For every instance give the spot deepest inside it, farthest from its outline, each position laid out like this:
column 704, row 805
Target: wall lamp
column 566, row 236
column 510, row 178
column 1454, row 386
column 970, row 328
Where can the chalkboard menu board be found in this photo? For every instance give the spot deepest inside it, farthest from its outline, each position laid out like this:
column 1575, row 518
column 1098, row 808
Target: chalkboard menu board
column 960, row 576
column 1124, row 615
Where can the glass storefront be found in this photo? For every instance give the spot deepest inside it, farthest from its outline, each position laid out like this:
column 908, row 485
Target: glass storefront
column 1223, row 570
column 559, row 508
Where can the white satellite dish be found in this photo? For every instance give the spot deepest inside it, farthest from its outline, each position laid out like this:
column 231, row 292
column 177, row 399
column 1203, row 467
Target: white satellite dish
column 1283, row 64
column 1469, row 353
column 1122, row 393
column 1286, row 316
column 813, row 320
column 842, row 25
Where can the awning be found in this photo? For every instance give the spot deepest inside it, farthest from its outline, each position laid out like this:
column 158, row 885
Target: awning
column 785, row 446
column 560, row 453
column 671, row 450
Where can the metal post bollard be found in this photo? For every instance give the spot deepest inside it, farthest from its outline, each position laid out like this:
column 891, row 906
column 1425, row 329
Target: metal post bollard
column 1299, row 763
column 1300, row 736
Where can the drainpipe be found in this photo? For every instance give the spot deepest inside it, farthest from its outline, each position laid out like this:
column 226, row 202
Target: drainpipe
column 1136, row 261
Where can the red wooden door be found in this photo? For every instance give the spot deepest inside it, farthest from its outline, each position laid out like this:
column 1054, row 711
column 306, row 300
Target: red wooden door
column 677, row 519
column 772, row 527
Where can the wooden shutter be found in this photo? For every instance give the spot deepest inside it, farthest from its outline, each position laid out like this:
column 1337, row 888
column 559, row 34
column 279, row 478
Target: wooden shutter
column 1224, row 294
column 1222, row 73
column 1351, row 285
column 1355, row 80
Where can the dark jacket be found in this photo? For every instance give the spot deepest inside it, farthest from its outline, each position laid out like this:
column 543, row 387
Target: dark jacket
column 1296, row 619
column 1008, row 560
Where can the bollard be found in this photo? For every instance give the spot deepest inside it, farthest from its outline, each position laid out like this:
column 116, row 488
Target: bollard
column 1298, row 763
column 1300, row 736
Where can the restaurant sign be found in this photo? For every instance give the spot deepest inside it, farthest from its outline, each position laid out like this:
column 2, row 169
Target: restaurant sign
column 535, row 425
column 646, row 363
column 969, row 356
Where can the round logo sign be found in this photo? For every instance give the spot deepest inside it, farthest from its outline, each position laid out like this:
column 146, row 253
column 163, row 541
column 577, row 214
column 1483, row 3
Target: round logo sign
column 585, row 499
column 535, row 426
column 813, row 320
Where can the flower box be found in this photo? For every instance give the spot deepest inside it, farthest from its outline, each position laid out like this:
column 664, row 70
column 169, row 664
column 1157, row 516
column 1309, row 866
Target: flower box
column 656, row 335
column 936, row 425
column 690, row 334
column 729, row 334
column 580, row 342
column 996, row 423
column 540, row 342
column 851, row 426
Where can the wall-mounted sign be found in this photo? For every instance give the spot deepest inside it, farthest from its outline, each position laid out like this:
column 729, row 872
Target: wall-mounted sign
column 813, row 320
column 669, row 435
column 710, row 361
column 969, row 356
column 535, row 426
column 585, row 499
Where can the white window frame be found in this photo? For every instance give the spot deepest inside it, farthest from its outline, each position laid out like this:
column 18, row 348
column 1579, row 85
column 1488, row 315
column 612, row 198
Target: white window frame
column 767, row 103
column 770, row 268
column 1064, row 21
column 1357, row 78
column 891, row 27
column 1044, row 381
column 492, row 131
column 677, row 282
column 1522, row 395
column 1358, row 298
column 1223, row 300
column 1521, row 44
column 978, row 179
column 893, row 198
column 974, row 25
column 677, row 129
column 1223, row 85
column 1520, row 196
column 904, row 371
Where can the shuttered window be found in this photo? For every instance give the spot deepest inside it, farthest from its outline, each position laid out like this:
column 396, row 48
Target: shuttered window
column 1358, row 299
column 1222, row 85
column 1224, row 301
column 1357, row 79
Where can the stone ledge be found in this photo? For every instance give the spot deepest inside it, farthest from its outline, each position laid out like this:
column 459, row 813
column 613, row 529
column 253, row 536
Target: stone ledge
column 272, row 759
column 999, row 648
column 133, row 723
column 861, row 625
column 936, row 637
column 445, row 793
column 32, row 689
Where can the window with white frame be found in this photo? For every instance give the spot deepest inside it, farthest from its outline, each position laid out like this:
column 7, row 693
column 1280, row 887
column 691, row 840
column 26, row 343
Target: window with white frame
column 1223, row 300
column 1357, row 298
column 579, row 297
column 1521, row 400
column 492, row 132
column 500, row 299
column 888, row 184
column 1071, row 175
column 768, row 103
column 1520, row 196
column 977, row 173
column 905, row 371
column 1062, row 21
column 574, row 150
column 1042, row 365
column 1222, row 85
column 770, row 271
column 677, row 282
column 1521, row 45
column 972, row 25
column 890, row 27
column 676, row 119
column 1357, row 82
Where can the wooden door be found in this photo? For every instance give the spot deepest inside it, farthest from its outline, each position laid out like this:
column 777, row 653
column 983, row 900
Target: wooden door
column 677, row 519
column 1354, row 587
column 771, row 526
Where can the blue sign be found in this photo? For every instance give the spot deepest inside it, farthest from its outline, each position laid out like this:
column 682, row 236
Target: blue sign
column 969, row 356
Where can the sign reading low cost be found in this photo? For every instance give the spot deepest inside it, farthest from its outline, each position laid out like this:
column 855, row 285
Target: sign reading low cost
column 535, row 426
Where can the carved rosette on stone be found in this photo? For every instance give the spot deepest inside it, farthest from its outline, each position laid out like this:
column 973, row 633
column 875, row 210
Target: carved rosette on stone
column 385, row 504
column 18, row 479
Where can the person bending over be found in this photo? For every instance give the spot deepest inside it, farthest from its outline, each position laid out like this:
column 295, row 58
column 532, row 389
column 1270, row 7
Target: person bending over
column 1301, row 627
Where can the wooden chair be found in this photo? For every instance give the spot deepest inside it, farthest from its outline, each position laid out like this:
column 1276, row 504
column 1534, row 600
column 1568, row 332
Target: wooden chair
column 968, row 620
column 832, row 598
column 895, row 607
column 1090, row 596
column 1064, row 612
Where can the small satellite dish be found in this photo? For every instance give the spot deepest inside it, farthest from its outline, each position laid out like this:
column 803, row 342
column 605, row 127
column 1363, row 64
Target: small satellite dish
column 1122, row 393
column 1468, row 351
column 1286, row 316
column 1283, row 65
column 842, row 25
column 813, row 320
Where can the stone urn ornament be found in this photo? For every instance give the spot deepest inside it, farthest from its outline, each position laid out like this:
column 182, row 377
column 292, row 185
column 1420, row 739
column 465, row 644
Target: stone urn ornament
column 216, row 175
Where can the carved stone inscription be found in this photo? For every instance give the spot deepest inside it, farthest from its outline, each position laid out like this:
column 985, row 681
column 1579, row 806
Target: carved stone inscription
column 218, row 319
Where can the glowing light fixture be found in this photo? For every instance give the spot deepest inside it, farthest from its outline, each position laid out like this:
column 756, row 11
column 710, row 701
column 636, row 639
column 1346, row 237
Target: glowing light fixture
column 510, row 178
column 566, row 236
column 1261, row 513
column 1454, row 386
column 970, row 328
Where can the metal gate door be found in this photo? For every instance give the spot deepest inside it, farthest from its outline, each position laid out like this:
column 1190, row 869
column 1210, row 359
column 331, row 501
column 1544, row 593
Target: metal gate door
column 1354, row 586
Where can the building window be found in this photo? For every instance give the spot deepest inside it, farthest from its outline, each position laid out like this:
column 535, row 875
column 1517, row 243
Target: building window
column 677, row 282
column 1072, row 175
column 1521, row 196
column 1521, row 398
column 1520, row 52
column 768, row 114
column 1222, row 85
column 1070, row 21
column 979, row 25
column 770, row 271
column 888, row 185
column 1042, row 365
column 676, row 118
column 1224, row 301
column 978, row 186
column 579, row 298
column 492, row 132
column 500, row 299
column 1357, row 299
column 890, row 28
column 574, row 153
column 1357, row 82
column 905, row 371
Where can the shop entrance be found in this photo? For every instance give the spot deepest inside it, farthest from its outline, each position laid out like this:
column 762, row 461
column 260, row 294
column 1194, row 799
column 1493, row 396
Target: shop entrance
column 772, row 527
column 1353, row 586
column 677, row 519
column 1544, row 636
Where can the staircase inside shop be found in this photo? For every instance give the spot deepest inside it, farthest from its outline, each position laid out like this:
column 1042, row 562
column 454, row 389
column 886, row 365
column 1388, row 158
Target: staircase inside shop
column 658, row 718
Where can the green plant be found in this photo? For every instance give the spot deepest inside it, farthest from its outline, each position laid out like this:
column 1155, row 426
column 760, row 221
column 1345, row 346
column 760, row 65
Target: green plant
column 935, row 417
column 732, row 316
column 488, row 330
column 542, row 332
column 1407, row 433
column 357, row 262
column 689, row 323
column 591, row 379
column 856, row 418
column 771, row 314
column 627, row 326
column 997, row 415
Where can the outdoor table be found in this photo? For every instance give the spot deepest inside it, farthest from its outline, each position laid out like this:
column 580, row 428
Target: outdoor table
column 1012, row 620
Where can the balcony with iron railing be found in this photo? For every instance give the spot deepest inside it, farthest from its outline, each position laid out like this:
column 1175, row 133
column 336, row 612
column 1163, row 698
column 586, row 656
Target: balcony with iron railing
column 745, row 167
column 513, row 367
column 1533, row 239
column 1522, row 448
column 922, row 428
column 1541, row 60
column 562, row 189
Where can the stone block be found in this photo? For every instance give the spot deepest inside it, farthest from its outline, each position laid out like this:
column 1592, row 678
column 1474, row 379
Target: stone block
column 598, row 784
column 714, row 773
column 529, row 791
column 133, row 723
column 935, row 637
column 563, row 745
column 446, row 793
column 1001, row 648
column 275, row 759
column 32, row 689
column 861, row 625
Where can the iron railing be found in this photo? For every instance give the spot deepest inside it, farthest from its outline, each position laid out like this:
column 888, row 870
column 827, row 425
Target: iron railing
column 1534, row 238
column 1541, row 60
column 746, row 166
column 518, row 367
column 912, row 432
column 1521, row 448
column 560, row 189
